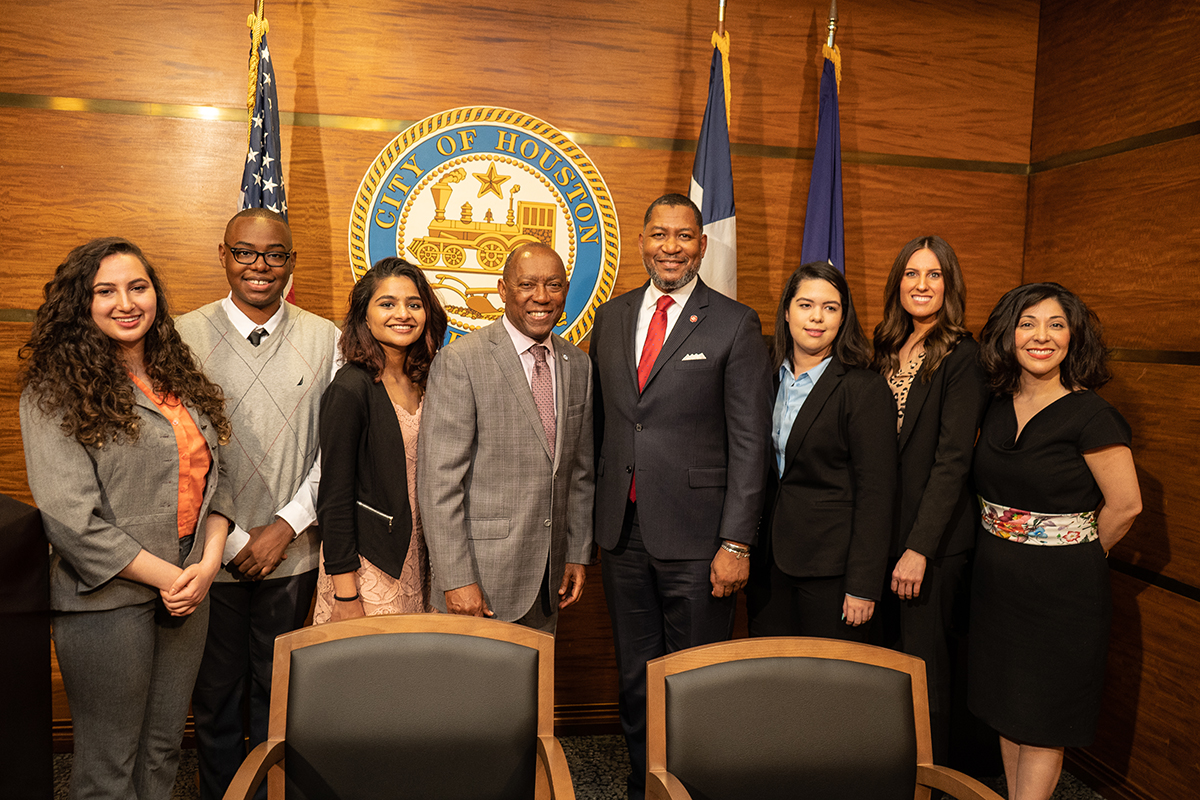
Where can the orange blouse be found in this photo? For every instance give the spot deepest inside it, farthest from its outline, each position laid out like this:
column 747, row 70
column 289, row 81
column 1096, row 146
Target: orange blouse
column 194, row 458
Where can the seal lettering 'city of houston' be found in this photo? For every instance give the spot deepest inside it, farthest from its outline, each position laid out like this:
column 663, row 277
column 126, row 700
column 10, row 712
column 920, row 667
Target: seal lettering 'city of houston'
column 458, row 190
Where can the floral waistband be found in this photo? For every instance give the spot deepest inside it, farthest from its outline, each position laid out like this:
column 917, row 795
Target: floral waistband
column 1032, row 527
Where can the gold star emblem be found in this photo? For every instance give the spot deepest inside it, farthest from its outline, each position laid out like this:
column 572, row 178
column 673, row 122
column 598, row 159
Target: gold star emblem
column 490, row 181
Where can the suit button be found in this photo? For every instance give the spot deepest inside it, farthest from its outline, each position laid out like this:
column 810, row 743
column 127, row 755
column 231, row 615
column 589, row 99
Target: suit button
column 547, row 523
column 629, row 469
column 638, row 427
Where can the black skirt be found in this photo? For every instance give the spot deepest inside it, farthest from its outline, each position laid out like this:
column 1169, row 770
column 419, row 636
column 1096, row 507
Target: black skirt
column 1040, row 619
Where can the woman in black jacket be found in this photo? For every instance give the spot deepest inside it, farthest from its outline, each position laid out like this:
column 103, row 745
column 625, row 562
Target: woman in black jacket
column 932, row 366
column 820, row 565
column 374, row 559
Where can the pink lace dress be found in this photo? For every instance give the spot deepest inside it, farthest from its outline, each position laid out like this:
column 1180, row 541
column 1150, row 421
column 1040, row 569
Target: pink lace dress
column 381, row 593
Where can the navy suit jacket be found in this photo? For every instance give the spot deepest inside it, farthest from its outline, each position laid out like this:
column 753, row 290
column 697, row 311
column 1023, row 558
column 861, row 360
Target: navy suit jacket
column 831, row 510
column 697, row 436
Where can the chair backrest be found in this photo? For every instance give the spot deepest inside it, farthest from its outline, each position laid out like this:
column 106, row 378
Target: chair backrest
column 769, row 718
column 421, row 708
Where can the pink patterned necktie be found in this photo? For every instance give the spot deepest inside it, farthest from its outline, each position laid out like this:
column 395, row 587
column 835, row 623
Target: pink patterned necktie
column 654, row 342
column 543, row 393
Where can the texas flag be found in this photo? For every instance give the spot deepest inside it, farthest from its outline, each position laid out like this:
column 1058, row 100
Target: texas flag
column 712, row 178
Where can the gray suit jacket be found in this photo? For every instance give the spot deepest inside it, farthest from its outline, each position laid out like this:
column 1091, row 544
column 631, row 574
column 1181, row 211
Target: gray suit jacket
column 101, row 506
column 494, row 506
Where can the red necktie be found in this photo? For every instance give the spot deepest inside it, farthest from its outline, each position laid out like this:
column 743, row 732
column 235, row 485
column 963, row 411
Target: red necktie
column 654, row 342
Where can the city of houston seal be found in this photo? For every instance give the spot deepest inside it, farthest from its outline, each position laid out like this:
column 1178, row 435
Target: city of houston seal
column 456, row 192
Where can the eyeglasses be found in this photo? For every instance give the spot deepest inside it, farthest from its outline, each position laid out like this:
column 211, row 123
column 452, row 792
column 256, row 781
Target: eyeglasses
column 275, row 258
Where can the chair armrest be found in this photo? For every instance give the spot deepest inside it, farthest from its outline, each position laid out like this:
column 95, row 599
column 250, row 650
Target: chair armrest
column 954, row 783
column 553, row 761
column 662, row 785
column 250, row 774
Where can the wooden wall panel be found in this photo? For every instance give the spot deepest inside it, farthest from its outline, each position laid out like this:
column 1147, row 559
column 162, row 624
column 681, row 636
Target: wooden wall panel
column 1162, row 404
column 915, row 73
column 1121, row 231
column 1146, row 744
column 1112, row 69
column 12, row 455
column 913, row 69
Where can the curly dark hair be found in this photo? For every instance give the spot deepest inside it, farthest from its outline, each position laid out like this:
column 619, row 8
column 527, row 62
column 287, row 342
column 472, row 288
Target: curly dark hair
column 357, row 344
column 1086, row 364
column 72, row 368
column 893, row 331
column 850, row 345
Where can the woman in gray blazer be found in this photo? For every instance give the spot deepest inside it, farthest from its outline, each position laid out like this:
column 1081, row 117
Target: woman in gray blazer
column 120, row 430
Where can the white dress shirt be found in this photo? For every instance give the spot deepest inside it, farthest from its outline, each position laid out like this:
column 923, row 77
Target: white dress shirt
column 650, row 305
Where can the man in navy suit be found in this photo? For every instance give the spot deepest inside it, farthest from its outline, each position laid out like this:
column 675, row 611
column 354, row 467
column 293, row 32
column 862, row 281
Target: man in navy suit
column 683, row 420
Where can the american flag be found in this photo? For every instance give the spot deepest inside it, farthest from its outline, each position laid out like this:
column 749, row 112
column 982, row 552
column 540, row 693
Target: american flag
column 262, row 178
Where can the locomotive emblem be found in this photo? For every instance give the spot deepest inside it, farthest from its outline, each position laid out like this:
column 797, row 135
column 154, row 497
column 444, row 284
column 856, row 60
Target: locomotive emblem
column 456, row 192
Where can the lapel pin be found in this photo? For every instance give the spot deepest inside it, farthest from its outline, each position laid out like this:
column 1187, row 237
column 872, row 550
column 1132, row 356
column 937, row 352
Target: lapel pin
column 693, row 318
column 564, row 356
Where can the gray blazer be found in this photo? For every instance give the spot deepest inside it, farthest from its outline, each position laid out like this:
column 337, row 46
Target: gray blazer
column 493, row 504
column 101, row 506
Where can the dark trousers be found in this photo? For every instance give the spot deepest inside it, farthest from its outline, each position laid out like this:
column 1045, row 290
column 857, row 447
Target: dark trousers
column 782, row 605
column 236, row 670
column 657, row 607
column 921, row 627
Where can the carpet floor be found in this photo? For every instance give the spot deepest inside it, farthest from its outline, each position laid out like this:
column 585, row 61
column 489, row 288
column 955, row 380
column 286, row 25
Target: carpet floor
column 598, row 764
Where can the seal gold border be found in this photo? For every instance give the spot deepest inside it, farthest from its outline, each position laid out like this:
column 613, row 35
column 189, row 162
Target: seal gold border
column 606, row 212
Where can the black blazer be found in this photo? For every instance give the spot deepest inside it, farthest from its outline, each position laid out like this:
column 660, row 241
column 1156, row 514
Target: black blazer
column 362, row 503
column 831, row 511
column 936, row 513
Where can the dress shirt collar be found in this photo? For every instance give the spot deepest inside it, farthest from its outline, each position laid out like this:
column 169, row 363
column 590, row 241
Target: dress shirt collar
column 243, row 324
column 522, row 342
column 680, row 295
column 786, row 377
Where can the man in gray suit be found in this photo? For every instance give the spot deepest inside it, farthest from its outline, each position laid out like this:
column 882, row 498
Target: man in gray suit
column 683, row 420
column 504, row 464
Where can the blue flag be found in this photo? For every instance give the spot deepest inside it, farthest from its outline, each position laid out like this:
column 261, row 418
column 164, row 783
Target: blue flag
column 262, row 178
column 823, row 228
column 712, row 178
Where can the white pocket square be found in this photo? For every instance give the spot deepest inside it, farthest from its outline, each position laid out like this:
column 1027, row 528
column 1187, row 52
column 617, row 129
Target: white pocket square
column 694, row 357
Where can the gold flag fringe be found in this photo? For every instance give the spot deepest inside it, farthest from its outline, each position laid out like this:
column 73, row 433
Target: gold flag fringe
column 722, row 44
column 835, row 55
column 258, row 26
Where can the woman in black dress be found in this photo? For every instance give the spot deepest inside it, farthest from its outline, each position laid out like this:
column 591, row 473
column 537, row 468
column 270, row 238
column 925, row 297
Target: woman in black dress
column 932, row 366
column 1058, row 489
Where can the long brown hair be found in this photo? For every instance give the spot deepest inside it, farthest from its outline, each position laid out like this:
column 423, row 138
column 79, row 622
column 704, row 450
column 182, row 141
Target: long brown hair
column 850, row 345
column 72, row 368
column 897, row 325
column 357, row 344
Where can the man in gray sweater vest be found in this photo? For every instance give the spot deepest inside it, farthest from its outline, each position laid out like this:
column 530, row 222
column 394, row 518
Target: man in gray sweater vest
column 273, row 361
